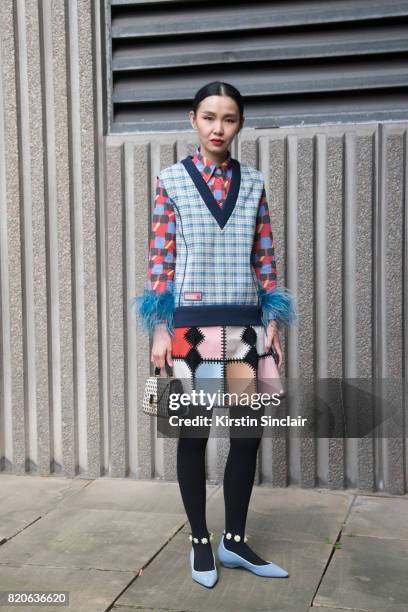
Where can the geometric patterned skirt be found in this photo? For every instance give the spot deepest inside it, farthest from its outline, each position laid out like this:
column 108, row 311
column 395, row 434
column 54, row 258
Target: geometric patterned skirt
column 231, row 356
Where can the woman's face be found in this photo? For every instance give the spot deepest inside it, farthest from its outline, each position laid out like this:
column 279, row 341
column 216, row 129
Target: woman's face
column 217, row 121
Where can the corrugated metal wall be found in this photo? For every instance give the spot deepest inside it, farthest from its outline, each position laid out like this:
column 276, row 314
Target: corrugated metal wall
column 74, row 224
column 295, row 63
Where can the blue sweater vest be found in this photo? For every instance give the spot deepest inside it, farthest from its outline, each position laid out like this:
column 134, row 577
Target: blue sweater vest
column 214, row 282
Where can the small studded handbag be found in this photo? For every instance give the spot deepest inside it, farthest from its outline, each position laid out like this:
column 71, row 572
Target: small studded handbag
column 157, row 392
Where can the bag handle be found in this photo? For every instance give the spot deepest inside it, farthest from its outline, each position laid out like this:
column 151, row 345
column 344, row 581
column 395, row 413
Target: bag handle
column 166, row 367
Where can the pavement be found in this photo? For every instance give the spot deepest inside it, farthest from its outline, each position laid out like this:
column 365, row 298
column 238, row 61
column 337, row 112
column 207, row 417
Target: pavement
column 122, row 545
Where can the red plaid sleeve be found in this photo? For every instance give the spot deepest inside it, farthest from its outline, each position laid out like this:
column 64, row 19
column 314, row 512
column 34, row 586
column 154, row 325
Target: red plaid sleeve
column 162, row 252
column 263, row 253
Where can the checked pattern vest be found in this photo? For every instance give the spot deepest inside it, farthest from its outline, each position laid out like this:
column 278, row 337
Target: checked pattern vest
column 214, row 245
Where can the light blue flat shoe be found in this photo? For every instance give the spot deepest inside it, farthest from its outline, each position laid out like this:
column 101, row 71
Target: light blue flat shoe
column 231, row 559
column 206, row 578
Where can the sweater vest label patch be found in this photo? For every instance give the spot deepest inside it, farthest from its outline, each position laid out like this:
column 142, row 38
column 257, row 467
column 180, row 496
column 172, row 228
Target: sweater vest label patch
column 192, row 295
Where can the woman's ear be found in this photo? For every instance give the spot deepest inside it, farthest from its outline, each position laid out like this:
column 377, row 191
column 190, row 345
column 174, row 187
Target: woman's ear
column 241, row 123
column 191, row 116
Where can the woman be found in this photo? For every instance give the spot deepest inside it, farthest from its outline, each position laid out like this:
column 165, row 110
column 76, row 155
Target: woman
column 214, row 310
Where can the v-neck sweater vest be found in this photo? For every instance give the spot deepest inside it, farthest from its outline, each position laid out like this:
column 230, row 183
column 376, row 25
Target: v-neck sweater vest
column 214, row 282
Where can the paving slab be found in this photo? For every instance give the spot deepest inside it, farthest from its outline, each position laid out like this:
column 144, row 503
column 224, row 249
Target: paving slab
column 89, row 590
column 92, row 539
column 125, row 494
column 166, row 582
column 367, row 574
column 380, row 517
column 320, row 609
column 297, row 515
column 132, row 609
column 24, row 499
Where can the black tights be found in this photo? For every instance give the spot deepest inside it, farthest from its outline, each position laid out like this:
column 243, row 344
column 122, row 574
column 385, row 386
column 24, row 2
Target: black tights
column 238, row 483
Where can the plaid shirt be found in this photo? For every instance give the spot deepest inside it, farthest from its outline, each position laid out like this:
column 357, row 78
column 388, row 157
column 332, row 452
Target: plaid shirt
column 162, row 253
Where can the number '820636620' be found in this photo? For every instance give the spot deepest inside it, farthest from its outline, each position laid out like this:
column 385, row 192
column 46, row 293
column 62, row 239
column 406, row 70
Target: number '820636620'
column 36, row 598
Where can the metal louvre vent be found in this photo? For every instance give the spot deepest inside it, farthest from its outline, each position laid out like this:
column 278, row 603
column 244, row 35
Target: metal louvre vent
column 294, row 62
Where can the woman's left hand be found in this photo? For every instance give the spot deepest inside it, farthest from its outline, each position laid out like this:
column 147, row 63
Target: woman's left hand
column 272, row 339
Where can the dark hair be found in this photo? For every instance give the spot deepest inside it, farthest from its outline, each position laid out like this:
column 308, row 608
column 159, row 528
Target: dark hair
column 218, row 88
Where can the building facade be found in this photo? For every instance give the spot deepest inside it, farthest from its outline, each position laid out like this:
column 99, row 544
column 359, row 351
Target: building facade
column 93, row 103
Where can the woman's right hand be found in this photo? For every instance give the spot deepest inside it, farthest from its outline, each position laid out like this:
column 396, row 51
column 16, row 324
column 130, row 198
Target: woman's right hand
column 161, row 349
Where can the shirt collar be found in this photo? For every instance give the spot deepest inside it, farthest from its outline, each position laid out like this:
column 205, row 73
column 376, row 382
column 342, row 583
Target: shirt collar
column 207, row 167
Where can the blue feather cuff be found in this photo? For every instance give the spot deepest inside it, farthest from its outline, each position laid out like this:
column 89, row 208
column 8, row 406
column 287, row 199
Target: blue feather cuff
column 155, row 308
column 278, row 304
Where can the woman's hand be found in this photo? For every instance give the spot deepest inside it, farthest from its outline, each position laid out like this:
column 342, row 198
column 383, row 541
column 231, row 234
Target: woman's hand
column 161, row 349
column 272, row 339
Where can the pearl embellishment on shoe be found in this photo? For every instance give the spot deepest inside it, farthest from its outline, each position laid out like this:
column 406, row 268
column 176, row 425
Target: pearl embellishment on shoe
column 237, row 537
column 203, row 540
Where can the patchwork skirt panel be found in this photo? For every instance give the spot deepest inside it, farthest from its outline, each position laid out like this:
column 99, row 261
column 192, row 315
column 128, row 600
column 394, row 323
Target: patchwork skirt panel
column 226, row 358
